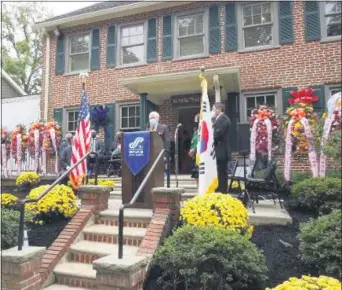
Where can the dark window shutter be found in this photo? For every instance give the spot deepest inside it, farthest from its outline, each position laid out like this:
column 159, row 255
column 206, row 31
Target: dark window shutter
column 285, row 22
column 167, row 37
column 58, row 116
column 312, row 21
column 233, row 113
column 214, row 30
column 111, row 46
column 95, row 50
column 230, row 27
column 319, row 106
column 110, row 127
column 152, row 40
column 60, row 60
column 286, row 95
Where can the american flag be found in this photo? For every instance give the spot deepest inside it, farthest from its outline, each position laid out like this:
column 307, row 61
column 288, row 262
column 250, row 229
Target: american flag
column 81, row 143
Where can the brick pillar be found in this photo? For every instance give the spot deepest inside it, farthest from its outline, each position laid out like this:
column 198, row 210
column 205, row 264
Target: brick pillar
column 125, row 274
column 95, row 195
column 164, row 197
column 20, row 269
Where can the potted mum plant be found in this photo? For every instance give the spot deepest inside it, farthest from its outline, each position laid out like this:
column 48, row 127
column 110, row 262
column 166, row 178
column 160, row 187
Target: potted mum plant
column 50, row 214
column 27, row 180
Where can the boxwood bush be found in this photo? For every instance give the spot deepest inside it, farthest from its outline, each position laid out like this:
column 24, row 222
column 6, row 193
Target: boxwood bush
column 208, row 258
column 320, row 195
column 9, row 228
column 320, row 243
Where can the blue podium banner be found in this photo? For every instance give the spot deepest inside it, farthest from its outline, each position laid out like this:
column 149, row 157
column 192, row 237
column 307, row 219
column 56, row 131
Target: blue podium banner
column 136, row 150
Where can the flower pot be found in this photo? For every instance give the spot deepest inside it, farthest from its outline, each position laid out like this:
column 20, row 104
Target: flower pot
column 45, row 235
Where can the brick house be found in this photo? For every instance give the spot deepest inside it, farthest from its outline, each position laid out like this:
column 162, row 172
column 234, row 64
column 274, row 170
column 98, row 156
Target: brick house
column 144, row 56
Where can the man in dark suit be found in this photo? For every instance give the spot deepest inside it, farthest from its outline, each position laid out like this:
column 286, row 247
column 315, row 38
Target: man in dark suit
column 221, row 145
column 97, row 146
column 65, row 157
column 163, row 131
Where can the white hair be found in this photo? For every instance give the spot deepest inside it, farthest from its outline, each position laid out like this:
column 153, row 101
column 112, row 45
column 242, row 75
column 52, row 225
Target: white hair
column 154, row 114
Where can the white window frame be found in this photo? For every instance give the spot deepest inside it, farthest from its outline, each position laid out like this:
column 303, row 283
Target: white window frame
column 243, row 108
column 68, row 50
column 66, row 119
column 119, row 47
column 240, row 29
column 127, row 105
column 330, row 88
column 324, row 36
column 176, row 42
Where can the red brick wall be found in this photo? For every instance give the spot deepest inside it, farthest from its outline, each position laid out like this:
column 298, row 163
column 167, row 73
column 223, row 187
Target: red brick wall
column 300, row 64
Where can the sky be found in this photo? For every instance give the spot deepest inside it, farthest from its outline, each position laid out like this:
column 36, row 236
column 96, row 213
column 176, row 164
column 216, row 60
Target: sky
column 62, row 7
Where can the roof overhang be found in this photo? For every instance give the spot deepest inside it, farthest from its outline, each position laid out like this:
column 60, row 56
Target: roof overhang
column 106, row 14
column 161, row 86
column 14, row 85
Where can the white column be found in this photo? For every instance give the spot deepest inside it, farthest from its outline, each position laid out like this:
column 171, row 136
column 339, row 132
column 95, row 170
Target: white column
column 216, row 82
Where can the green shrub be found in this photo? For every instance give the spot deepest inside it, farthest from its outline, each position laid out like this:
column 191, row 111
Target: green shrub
column 320, row 243
column 209, row 258
column 321, row 195
column 9, row 228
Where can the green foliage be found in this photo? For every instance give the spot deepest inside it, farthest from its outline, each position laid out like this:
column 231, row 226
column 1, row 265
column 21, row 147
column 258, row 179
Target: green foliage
column 21, row 45
column 9, row 228
column 320, row 243
column 320, row 195
column 209, row 258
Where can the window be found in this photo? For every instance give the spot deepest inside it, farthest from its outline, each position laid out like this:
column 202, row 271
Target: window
column 132, row 40
column 191, row 35
column 257, row 25
column 130, row 116
column 255, row 100
column 332, row 19
column 72, row 121
column 79, row 53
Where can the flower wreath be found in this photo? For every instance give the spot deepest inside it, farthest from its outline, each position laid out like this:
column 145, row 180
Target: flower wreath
column 264, row 125
column 52, row 137
column 35, row 137
column 99, row 117
column 298, row 132
column 19, row 142
column 332, row 123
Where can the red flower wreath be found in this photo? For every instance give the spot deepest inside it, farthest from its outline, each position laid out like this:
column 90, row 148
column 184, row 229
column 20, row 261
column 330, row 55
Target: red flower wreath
column 31, row 143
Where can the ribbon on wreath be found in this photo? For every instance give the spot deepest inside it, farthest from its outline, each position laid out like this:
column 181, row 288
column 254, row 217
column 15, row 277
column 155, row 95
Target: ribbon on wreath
column 326, row 131
column 253, row 138
column 19, row 153
column 36, row 150
column 54, row 145
column 288, row 151
column 4, row 159
column 312, row 151
column 269, row 137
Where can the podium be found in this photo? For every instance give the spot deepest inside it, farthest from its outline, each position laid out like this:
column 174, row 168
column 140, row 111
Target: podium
column 131, row 183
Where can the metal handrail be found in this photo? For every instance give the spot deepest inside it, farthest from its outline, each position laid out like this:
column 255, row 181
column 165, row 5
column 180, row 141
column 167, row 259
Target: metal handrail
column 45, row 192
column 136, row 196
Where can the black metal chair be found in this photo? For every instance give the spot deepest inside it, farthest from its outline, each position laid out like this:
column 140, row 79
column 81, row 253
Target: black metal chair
column 266, row 184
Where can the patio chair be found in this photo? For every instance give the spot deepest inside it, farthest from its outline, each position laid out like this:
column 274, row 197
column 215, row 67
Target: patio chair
column 267, row 183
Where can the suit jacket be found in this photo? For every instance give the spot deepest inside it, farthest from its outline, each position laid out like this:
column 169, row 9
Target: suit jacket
column 221, row 137
column 99, row 146
column 65, row 158
column 164, row 132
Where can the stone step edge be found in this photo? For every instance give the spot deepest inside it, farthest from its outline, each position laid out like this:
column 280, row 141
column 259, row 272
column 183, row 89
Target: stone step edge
column 114, row 231
column 85, row 273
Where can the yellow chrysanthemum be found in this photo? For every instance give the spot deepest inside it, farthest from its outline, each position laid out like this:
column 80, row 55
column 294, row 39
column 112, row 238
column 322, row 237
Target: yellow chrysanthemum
column 8, row 199
column 218, row 210
column 307, row 283
column 27, row 178
column 60, row 199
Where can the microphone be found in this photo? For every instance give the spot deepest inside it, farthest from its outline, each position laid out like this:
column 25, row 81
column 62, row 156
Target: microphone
column 93, row 136
column 179, row 125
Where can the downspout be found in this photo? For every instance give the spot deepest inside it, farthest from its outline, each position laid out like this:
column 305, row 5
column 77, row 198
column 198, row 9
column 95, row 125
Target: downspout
column 47, row 75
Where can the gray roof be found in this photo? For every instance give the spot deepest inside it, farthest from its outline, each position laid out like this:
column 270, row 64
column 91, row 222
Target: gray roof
column 96, row 7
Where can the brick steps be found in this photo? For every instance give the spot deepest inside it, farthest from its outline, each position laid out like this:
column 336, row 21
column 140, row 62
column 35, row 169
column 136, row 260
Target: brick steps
column 75, row 275
column 87, row 252
column 63, row 287
column 109, row 234
column 138, row 218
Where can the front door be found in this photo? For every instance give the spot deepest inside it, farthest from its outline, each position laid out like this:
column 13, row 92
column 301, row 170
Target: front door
column 186, row 117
